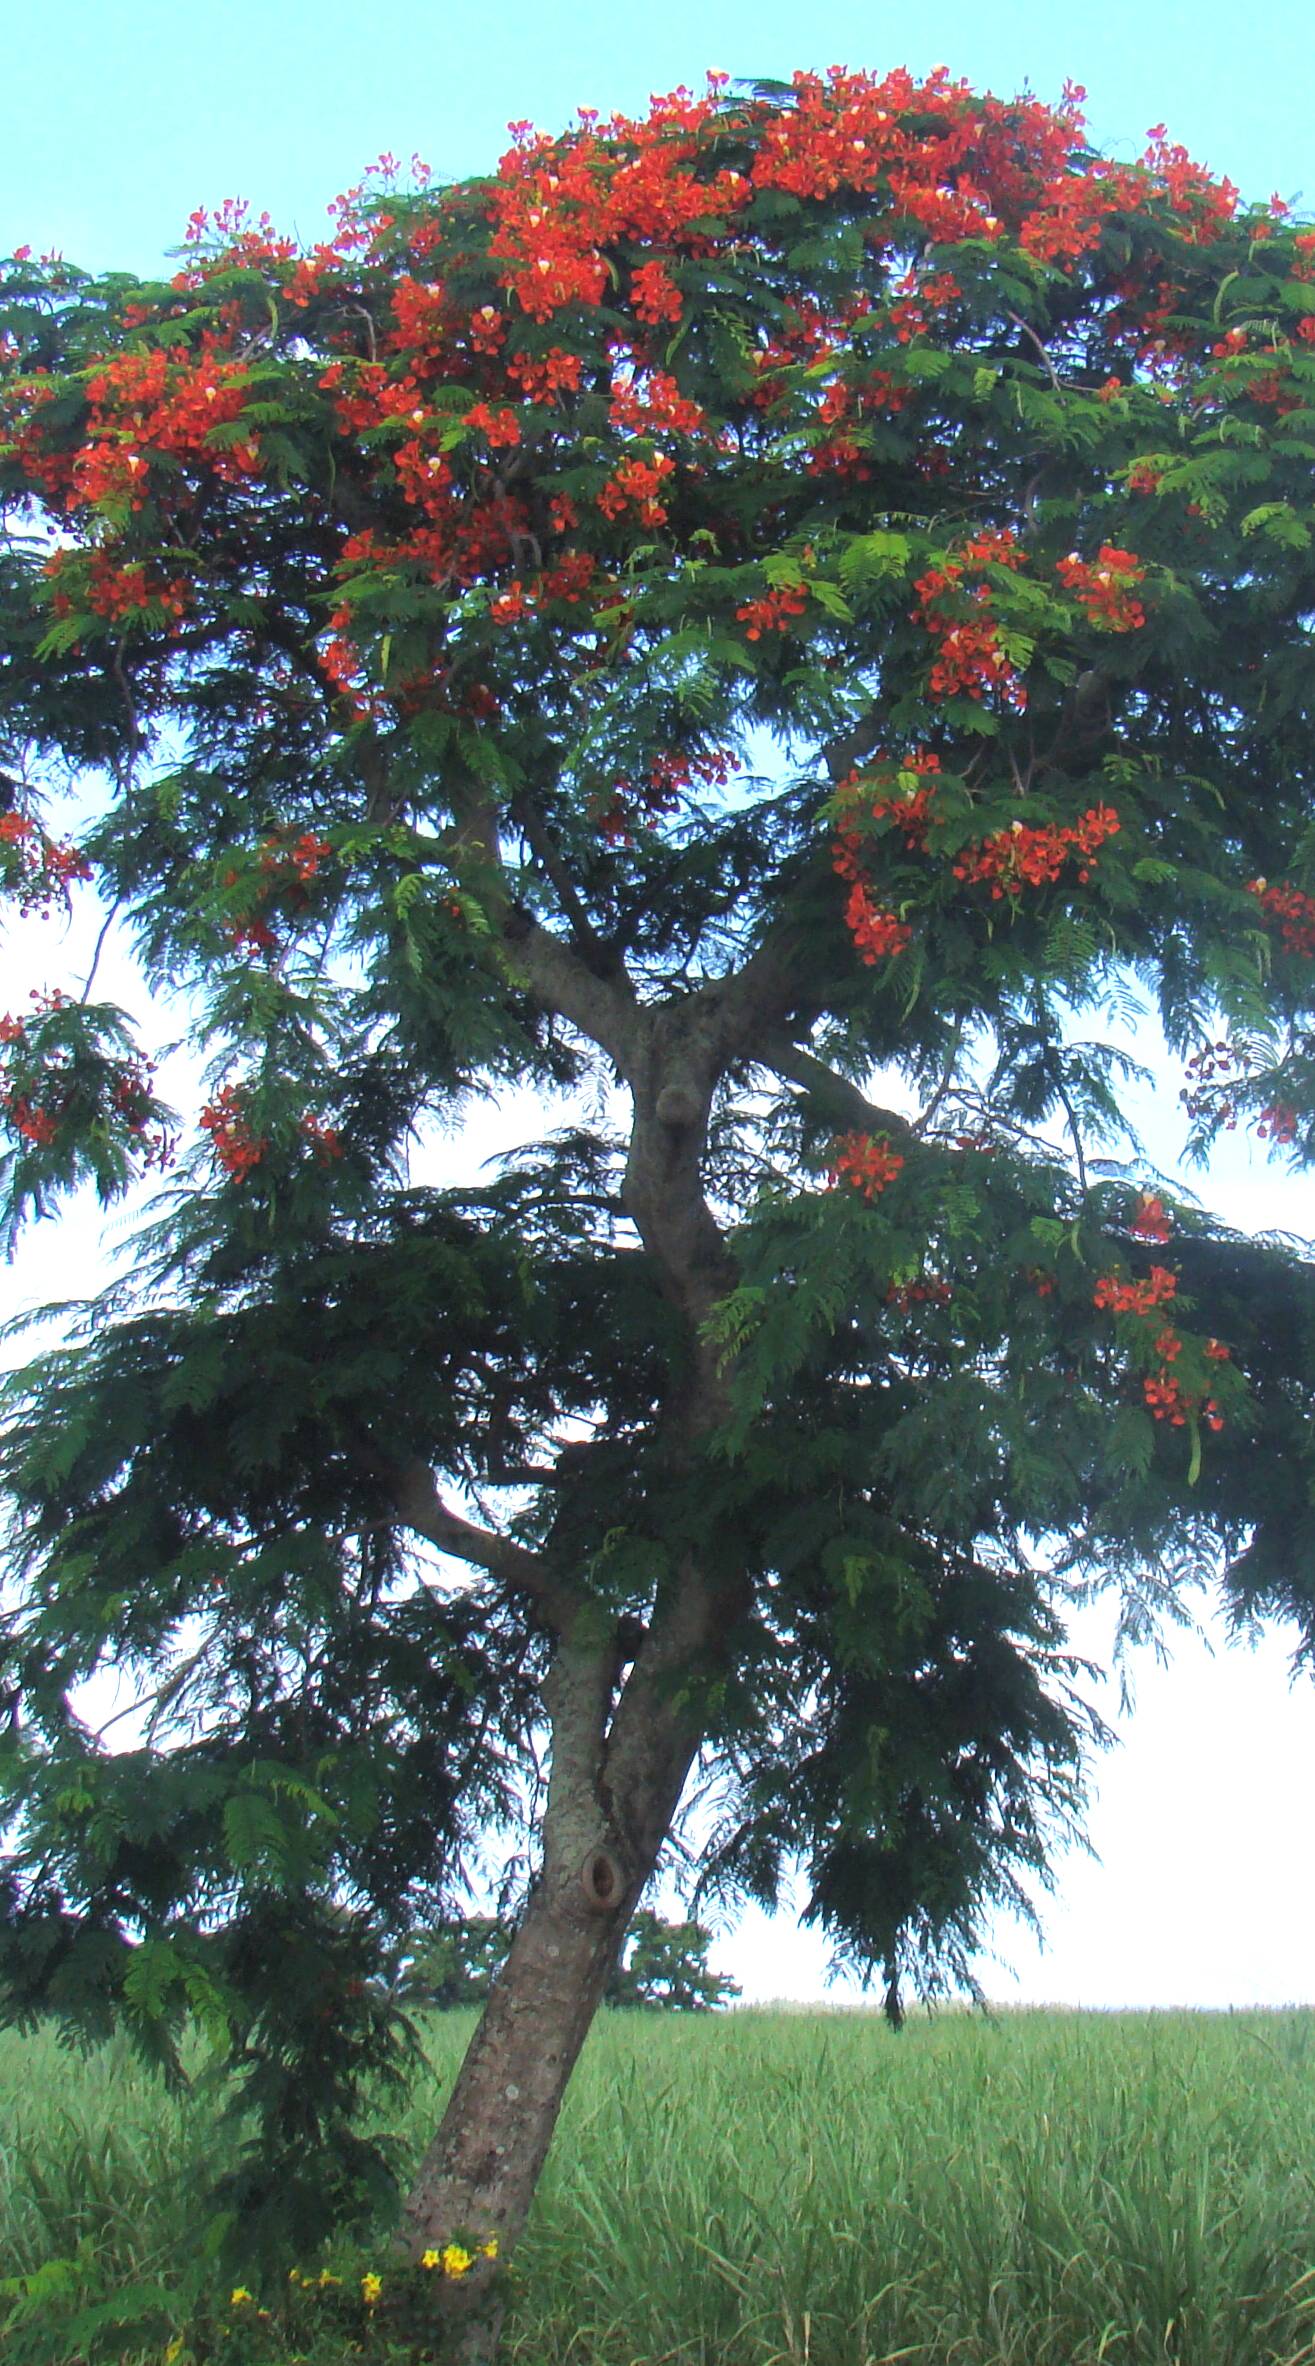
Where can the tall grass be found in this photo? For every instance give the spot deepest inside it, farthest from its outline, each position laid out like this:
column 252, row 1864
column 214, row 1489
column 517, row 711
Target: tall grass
column 781, row 2189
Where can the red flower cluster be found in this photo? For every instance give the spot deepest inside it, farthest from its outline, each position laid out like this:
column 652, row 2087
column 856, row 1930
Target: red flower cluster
column 287, row 867
column 1278, row 1123
column 146, row 403
column 774, row 612
column 569, row 580
column 918, row 300
column 1215, row 1072
column 653, row 296
column 1169, row 1402
column 1025, row 856
column 907, row 807
column 1294, row 912
column 1104, row 587
column 669, row 776
column 930, row 1291
column 649, row 402
column 957, row 167
column 878, row 934
column 40, row 1090
column 543, row 376
column 294, row 861
column 1126, row 1297
column 35, row 868
column 326, row 1143
column 561, row 205
column 877, row 931
column 115, row 590
column 969, row 655
column 31, row 1121
column 237, row 1149
column 131, row 1102
column 637, row 484
column 866, row 1161
column 500, row 429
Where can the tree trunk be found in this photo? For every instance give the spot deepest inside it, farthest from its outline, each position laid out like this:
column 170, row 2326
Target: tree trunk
column 478, row 2178
column 619, row 1762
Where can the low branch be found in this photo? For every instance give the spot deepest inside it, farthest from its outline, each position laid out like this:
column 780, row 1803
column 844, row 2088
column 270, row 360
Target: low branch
column 862, row 739
column 561, row 981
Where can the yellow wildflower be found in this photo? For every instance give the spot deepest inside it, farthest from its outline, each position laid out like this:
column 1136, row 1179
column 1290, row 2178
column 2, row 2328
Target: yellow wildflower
column 175, row 2350
column 490, row 2249
column 429, row 2259
column 457, row 2262
column 371, row 2287
column 324, row 2278
column 239, row 2296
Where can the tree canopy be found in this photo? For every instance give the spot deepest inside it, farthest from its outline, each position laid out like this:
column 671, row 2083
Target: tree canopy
column 780, row 624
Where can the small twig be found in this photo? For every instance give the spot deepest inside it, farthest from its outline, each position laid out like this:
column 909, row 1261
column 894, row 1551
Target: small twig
column 105, row 927
column 921, row 1124
column 1071, row 1114
column 1020, row 323
column 367, row 316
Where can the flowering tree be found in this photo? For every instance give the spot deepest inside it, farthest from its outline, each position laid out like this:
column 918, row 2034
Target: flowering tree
column 811, row 586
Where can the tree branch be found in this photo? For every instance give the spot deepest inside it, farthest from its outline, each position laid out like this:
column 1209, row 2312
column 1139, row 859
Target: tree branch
column 604, row 1009
column 420, row 1506
column 565, row 985
column 824, row 1085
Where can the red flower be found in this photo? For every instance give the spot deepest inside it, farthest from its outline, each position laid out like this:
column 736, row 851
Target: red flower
column 1148, row 1221
column 1125, row 1297
column 1294, row 911
column 865, row 1161
column 237, row 1149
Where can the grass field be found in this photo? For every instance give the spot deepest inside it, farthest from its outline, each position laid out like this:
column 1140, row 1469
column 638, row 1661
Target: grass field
column 1035, row 2190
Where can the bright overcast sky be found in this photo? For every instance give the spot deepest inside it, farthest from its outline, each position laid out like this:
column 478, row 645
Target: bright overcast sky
column 122, row 115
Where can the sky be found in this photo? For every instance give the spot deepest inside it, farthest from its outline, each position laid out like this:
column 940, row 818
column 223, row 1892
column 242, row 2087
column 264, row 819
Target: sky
column 121, row 118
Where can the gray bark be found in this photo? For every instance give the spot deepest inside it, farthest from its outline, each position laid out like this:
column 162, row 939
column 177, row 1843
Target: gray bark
column 601, row 1839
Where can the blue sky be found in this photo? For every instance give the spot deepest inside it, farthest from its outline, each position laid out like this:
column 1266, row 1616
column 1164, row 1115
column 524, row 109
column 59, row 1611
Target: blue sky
column 121, row 117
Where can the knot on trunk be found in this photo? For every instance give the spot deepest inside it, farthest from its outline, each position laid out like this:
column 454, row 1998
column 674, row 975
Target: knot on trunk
column 602, row 1881
column 678, row 1106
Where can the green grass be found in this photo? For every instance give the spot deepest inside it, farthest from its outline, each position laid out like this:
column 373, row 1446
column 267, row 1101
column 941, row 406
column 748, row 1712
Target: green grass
column 1039, row 2190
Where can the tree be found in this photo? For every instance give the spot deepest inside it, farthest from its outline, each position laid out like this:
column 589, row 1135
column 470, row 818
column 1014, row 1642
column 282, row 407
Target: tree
column 664, row 1967
column 758, row 621
column 454, row 1963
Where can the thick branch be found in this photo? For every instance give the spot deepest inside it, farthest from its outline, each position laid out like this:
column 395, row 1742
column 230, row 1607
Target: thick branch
column 604, row 1009
column 602, row 958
